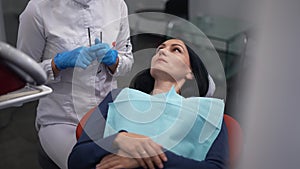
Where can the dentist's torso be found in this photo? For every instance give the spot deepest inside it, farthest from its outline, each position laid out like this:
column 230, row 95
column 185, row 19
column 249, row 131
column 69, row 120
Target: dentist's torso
column 66, row 26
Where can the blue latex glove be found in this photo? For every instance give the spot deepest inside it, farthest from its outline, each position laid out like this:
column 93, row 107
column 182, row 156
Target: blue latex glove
column 79, row 57
column 106, row 55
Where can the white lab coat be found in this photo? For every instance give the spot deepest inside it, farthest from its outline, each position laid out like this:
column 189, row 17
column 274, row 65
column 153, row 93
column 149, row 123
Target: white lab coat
column 48, row 27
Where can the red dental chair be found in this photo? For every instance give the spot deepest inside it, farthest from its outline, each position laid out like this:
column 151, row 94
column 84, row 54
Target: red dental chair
column 21, row 77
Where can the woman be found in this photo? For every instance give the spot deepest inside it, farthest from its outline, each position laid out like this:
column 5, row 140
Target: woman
column 171, row 66
column 58, row 34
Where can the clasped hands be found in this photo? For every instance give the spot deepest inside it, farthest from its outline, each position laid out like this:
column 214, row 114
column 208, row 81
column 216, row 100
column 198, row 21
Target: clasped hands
column 84, row 56
column 134, row 151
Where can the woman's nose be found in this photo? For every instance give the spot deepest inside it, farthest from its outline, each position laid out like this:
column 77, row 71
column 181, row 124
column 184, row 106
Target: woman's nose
column 162, row 52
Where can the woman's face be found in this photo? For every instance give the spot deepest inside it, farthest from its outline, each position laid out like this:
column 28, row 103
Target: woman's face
column 171, row 60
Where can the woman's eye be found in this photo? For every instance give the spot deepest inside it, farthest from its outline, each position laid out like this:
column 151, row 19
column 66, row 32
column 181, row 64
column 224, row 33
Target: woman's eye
column 177, row 50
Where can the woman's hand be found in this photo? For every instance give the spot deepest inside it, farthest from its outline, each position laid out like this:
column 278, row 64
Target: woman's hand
column 114, row 161
column 142, row 148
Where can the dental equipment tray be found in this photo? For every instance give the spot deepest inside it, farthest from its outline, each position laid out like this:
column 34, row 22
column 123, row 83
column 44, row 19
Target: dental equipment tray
column 24, row 95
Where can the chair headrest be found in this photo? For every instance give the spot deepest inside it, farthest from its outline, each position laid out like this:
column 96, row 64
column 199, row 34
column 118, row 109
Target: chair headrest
column 143, row 81
column 17, row 69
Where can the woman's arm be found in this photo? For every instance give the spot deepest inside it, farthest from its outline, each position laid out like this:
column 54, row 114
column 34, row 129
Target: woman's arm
column 216, row 158
column 117, row 161
column 91, row 147
column 87, row 154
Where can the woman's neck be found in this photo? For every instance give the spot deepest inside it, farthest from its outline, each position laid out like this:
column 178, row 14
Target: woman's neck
column 161, row 86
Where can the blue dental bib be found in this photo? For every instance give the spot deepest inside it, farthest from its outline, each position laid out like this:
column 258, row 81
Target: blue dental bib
column 185, row 126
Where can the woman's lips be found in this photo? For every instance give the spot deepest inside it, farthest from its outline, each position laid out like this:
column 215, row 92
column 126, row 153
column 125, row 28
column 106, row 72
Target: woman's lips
column 161, row 60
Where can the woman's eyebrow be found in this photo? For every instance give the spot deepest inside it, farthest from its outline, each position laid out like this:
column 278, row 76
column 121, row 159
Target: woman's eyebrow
column 178, row 45
column 162, row 45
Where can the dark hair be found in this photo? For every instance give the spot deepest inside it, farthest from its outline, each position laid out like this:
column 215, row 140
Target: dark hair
column 144, row 82
column 199, row 71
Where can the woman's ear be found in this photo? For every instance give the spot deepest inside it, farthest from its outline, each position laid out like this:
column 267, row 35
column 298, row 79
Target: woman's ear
column 189, row 76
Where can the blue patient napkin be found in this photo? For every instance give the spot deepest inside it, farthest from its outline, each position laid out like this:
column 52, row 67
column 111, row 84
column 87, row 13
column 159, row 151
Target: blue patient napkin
column 185, row 126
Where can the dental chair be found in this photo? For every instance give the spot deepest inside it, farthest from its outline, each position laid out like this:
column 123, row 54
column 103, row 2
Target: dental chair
column 235, row 140
column 21, row 77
